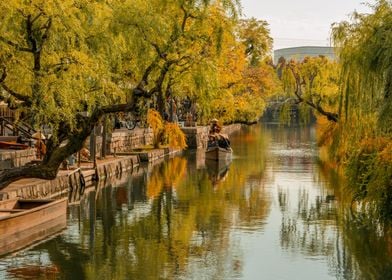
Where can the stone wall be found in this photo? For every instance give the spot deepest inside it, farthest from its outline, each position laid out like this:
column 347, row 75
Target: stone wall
column 197, row 137
column 37, row 188
column 229, row 129
column 155, row 154
column 69, row 182
column 116, row 167
column 16, row 158
column 124, row 140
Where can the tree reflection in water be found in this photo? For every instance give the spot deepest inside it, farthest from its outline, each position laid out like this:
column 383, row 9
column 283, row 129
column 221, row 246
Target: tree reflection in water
column 156, row 223
column 324, row 225
column 171, row 221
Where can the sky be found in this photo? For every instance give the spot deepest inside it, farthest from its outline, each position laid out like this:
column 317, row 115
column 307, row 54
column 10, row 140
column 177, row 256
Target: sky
column 302, row 22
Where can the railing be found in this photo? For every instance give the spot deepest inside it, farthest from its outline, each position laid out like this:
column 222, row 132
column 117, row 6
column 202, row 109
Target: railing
column 17, row 127
column 7, row 112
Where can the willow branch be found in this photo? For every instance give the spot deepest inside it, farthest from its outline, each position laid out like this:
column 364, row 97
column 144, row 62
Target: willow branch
column 21, row 97
column 15, row 45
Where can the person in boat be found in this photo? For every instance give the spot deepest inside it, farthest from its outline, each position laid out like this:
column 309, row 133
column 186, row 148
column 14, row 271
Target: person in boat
column 215, row 128
column 215, row 138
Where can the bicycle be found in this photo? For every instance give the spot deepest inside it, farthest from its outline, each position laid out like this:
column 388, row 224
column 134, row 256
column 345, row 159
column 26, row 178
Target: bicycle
column 131, row 121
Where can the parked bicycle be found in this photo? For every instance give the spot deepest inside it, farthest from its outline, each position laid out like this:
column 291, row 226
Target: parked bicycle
column 129, row 121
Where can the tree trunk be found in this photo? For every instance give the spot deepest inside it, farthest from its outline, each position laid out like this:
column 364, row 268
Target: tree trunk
column 38, row 171
column 48, row 169
column 161, row 103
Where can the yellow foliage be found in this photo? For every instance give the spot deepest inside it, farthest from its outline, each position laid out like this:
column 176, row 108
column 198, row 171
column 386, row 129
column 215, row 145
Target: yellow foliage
column 155, row 121
column 174, row 135
column 168, row 176
column 165, row 132
column 386, row 154
column 314, row 80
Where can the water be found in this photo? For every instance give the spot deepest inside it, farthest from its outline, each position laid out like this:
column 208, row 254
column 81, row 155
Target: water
column 273, row 213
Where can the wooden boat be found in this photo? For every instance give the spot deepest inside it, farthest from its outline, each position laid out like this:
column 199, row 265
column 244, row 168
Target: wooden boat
column 13, row 146
column 24, row 221
column 218, row 153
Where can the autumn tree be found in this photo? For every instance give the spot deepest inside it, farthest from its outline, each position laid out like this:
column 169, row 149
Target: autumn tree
column 364, row 137
column 255, row 36
column 67, row 63
column 178, row 46
column 312, row 83
column 54, row 66
column 243, row 91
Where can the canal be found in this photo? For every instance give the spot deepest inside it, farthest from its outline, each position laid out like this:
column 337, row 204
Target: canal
column 274, row 213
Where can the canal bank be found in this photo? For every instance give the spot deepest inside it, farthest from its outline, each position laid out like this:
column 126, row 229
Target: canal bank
column 126, row 155
column 275, row 214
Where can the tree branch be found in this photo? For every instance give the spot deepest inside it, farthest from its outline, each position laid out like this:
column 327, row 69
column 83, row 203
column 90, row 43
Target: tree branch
column 15, row 45
column 298, row 93
column 26, row 99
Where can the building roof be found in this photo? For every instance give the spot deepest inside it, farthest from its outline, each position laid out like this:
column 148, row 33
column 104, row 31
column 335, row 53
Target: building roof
column 299, row 53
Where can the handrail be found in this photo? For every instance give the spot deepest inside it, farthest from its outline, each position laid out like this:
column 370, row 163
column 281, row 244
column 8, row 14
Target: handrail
column 74, row 171
column 5, row 111
column 27, row 132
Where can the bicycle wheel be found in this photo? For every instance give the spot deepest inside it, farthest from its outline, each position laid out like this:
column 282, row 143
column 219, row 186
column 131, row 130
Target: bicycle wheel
column 131, row 124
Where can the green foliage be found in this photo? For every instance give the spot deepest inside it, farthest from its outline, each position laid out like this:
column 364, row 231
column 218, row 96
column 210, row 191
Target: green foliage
column 369, row 171
column 311, row 83
column 66, row 63
column 365, row 57
column 175, row 46
column 255, row 36
column 53, row 53
column 365, row 131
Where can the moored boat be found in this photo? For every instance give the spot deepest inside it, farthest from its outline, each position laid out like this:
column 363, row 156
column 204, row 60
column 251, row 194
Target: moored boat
column 12, row 146
column 25, row 221
column 218, row 144
column 218, row 153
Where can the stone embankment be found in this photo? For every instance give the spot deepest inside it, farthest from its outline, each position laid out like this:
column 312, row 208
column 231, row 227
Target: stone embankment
column 120, row 164
column 16, row 158
column 197, row 136
column 124, row 140
column 71, row 181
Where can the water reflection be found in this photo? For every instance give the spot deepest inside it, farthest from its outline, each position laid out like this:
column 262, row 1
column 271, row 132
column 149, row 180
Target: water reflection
column 32, row 271
column 217, row 170
column 273, row 213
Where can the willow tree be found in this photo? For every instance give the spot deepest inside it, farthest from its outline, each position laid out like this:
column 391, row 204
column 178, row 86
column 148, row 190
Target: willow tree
column 255, row 36
column 242, row 91
column 365, row 135
column 67, row 63
column 56, row 64
column 312, row 84
column 178, row 38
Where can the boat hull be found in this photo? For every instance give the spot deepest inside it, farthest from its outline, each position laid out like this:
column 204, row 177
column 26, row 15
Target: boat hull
column 12, row 146
column 22, row 227
column 219, row 154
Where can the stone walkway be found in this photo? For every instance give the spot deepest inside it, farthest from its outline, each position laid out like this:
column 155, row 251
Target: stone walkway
column 84, row 176
column 69, row 179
